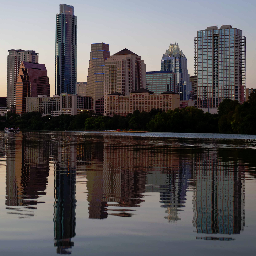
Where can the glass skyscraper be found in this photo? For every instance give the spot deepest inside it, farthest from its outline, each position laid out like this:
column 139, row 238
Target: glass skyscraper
column 66, row 51
column 175, row 61
column 220, row 62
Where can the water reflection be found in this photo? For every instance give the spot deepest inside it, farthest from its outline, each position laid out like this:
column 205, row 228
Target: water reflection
column 27, row 170
column 219, row 197
column 120, row 172
column 65, row 195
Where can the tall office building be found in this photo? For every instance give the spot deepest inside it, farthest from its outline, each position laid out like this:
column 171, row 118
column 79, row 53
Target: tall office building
column 14, row 60
column 95, row 79
column 220, row 62
column 175, row 61
column 125, row 72
column 31, row 82
column 66, row 51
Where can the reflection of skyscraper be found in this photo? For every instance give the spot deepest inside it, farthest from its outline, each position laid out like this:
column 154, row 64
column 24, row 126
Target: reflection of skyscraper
column 97, row 207
column 26, row 172
column 173, row 193
column 64, row 193
column 219, row 196
column 172, row 184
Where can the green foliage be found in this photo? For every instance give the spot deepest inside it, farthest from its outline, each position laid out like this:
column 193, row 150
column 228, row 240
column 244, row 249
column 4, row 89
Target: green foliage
column 236, row 118
column 231, row 118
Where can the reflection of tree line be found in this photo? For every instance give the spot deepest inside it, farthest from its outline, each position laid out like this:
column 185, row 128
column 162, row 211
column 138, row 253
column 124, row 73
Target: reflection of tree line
column 119, row 171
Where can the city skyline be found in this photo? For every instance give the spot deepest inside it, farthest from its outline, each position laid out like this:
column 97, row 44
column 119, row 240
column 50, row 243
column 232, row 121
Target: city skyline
column 151, row 25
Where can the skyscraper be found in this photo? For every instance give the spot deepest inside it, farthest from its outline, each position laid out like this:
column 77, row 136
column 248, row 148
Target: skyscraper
column 95, row 79
column 125, row 72
column 220, row 59
column 14, row 60
column 31, row 82
column 66, row 51
column 175, row 61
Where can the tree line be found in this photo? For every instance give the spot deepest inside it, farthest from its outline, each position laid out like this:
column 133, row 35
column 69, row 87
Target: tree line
column 232, row 117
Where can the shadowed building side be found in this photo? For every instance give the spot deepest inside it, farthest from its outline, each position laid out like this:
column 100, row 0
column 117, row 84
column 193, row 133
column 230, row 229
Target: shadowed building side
column 32, row 81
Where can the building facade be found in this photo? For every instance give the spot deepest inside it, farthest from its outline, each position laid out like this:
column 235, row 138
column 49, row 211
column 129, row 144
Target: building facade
column 31, row 82
column 14, row 60
column 161, row 81
column 142, row 100
column 95, row 79
column 193, row 80
column 81, row 88
column 220, row 63
column 66, row 51
column 175, row 61
column 67, row 104
column 124, row 72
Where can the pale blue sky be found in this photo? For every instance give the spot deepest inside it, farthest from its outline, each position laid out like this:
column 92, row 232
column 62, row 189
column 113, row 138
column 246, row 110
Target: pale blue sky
column 145, row 27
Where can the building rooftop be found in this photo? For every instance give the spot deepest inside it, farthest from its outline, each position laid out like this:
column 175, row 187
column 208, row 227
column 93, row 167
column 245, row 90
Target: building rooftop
column 34, row 65
column 125, row 52
column 67, row 9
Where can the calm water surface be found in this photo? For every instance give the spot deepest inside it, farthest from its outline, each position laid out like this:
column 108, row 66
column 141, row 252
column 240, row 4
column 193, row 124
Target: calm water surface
column 127, row 194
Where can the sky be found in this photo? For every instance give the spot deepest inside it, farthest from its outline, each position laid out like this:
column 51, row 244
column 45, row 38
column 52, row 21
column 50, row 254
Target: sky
column 145, row 27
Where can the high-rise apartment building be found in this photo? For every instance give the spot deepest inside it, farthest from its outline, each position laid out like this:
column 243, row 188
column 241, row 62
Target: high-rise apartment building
column 175, row 61
column 14, row 60
column 66, row 51
column 31, row 82
column 95, row 79
column 220, row 62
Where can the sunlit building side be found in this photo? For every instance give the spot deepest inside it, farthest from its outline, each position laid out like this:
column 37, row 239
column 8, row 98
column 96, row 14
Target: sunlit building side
column 14, row 60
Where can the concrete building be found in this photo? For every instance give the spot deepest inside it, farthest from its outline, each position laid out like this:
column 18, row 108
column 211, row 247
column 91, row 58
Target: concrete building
column 67, row 104
column 124, row 72
column 161, row 81
column 66, row 51
column 174, row 60
column 81, row 88
column 43, row 104
column 31, row 82
column 220, row 63
column 14, row 60
column 95, row 79
column 142, row 100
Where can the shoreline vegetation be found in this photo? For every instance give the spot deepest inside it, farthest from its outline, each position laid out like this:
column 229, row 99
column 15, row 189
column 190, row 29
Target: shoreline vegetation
column 232, row 118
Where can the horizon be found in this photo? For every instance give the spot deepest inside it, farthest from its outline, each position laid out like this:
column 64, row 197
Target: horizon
column 139, row 27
